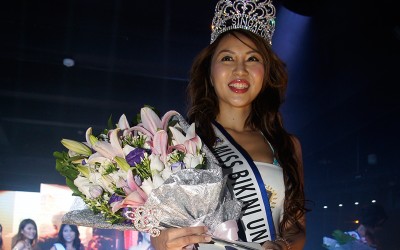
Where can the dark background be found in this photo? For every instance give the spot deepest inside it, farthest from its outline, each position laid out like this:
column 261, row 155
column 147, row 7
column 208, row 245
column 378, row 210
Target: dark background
column 342, row 102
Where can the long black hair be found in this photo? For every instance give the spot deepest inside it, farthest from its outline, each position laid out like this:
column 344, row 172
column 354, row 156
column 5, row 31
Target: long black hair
column 265, row 116
column 77, row 241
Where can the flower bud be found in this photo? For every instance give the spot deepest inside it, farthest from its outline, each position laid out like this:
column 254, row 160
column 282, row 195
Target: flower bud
column 95, row 191
column 122, row 163
column 77, row 147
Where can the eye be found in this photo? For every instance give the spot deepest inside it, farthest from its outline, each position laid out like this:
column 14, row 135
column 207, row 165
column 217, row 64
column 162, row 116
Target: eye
column 253, row 59
column 226, row 58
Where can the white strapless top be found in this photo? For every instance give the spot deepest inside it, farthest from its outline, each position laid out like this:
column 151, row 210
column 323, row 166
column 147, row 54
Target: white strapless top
column 272, row 176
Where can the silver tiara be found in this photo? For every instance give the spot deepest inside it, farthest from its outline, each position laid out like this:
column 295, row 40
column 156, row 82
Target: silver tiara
column 257, row 16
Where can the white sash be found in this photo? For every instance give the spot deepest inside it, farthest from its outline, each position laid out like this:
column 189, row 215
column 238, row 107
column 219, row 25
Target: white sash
column 58, row 246
column 246, row 184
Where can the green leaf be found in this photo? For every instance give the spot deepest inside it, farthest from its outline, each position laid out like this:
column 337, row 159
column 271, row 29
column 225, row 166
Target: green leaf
column 341, row 237
column 110, row 124
column 71, row 185
column 200, row 166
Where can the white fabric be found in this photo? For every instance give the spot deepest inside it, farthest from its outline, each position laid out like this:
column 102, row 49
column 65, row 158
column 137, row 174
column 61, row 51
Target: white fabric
column 272, row 176
column 59, row 246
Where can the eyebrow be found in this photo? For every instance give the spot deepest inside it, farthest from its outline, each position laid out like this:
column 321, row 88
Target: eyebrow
column 232, row 52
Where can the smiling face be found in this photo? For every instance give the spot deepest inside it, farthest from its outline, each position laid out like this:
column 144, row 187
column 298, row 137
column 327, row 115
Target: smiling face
column 29, row 231
column 68, row 234
column 237, row 72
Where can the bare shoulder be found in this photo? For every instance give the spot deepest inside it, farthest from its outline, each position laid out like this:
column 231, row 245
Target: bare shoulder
column 19, row 245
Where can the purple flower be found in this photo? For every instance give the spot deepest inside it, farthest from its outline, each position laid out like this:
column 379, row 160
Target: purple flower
column 137, row 180
column 134, row 157
column 123, row 213
column 177, row 166
column 114, row 198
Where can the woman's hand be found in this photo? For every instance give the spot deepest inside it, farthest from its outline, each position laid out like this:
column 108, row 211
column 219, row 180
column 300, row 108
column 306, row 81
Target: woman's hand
column 178, row 238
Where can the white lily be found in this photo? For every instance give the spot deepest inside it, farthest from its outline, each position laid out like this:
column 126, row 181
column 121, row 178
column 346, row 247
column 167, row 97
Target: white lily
column 191, row 161
column 107, row 183
column 123, row 123
column 156, row 163
column 147, row 186
column 83, row 184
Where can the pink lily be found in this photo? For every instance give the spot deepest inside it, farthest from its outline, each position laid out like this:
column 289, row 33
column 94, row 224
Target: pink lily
column 108, row 149
column 134, row 200
column 151, row 123
column 160, row 144
column 191, row 140
column 134, row 187
column 135, row 195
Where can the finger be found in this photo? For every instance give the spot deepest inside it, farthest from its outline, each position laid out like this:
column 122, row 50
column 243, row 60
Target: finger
column 186, row 231
column 187, row 240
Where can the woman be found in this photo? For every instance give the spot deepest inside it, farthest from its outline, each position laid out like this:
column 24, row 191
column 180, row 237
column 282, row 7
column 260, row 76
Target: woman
column 236, row 87
column 27, row 235
column 1, row 237
column 68, row 238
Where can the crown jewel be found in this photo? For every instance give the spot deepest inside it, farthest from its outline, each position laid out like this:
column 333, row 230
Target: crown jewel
column 257, row 16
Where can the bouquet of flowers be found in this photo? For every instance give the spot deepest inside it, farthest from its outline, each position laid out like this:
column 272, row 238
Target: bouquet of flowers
column 344, row 241
column 131, row 177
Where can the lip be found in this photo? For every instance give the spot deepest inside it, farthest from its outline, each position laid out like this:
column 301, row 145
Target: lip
column 239, row 86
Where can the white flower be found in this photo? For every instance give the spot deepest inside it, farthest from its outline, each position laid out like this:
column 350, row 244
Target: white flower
column 157, row 180
column 166, row 173
column 107, row 182
column 127, row 149
column 83, row 184
column 191, row 161
column 95, row 191
column 156, row 163
column 147, row 186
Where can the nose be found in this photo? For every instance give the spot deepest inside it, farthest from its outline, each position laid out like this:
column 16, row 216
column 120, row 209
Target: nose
column 240, row 68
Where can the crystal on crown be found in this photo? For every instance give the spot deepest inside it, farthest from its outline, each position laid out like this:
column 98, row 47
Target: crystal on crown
column 257, row 16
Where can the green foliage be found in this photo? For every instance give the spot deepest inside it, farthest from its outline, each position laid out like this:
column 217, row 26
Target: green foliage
column 143, row 169
column 341, row 237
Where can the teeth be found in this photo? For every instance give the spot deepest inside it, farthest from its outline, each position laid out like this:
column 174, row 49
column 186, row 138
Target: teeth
column 239, row 85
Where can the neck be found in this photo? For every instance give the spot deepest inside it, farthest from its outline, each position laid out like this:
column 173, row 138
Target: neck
column 68, row 245
column 234, row 119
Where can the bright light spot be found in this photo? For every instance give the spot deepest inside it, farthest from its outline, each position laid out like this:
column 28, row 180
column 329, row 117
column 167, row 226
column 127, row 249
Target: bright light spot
column 356, row 221
column 340, row 205
column 373, row 201
column 325, row 207
column 68, row 62
column 356, row 203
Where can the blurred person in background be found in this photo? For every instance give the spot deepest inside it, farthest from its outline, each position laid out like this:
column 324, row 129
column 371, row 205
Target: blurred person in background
column 1, row 237
column 68, row 238
column 27, row 235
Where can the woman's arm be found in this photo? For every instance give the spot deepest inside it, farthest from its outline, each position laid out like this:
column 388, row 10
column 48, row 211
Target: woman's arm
column 292, row 238
column 178, row 238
